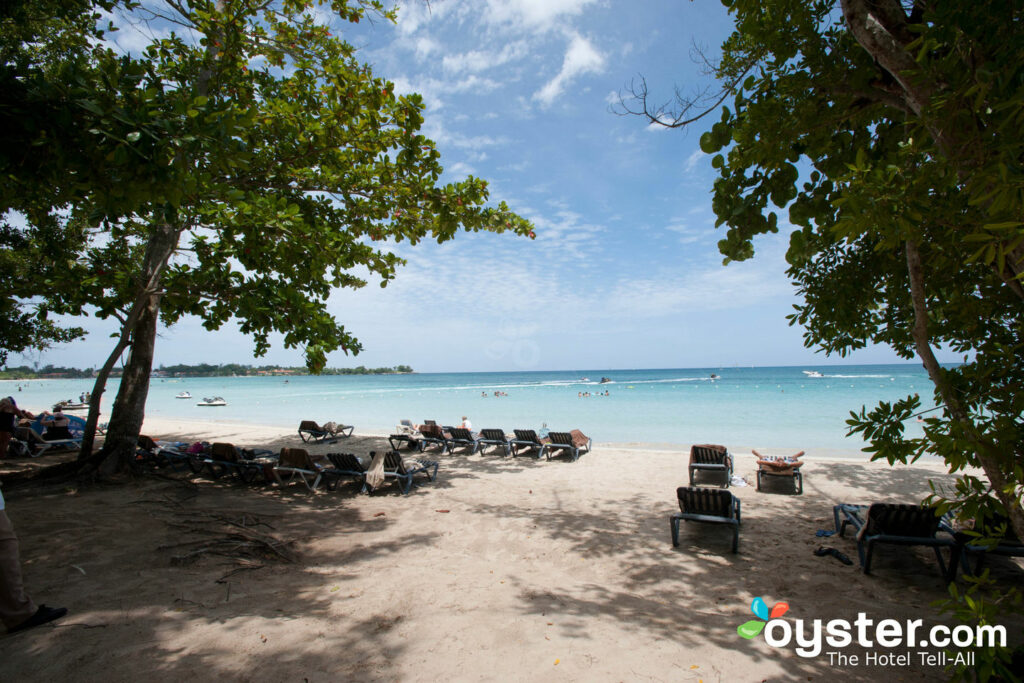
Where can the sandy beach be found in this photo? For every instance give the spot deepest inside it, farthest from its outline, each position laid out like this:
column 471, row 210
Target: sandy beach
column 502, row 569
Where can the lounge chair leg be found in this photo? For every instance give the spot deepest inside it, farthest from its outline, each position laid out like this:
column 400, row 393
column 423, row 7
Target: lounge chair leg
column 736, row 538
column 865, row 556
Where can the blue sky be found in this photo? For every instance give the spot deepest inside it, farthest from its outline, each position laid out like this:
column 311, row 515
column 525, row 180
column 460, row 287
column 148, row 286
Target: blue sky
column 624, row 272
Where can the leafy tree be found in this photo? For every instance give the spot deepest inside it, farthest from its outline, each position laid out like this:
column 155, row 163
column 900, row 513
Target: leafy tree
column 261, row 166
column 890, row 133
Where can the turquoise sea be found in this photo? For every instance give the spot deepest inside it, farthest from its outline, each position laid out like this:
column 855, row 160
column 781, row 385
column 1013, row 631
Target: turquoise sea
column 776, row 408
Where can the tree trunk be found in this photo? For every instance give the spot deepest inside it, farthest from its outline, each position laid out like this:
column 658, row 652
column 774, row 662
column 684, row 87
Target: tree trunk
column 99, row 386
column 140, row 328
column 988, row 453
column 130, row 405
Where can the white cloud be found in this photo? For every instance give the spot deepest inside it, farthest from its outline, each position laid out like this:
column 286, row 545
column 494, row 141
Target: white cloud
column 691, row 161
column 534, row 15
column 475, row 61
column 580, row 58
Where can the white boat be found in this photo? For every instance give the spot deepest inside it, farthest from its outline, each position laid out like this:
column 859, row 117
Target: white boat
column 70, row 405
column 184, row 394
column 215, row 401
column 813, row 373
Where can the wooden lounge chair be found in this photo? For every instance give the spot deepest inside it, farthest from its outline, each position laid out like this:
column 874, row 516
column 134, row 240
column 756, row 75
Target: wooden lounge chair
column 296, row 463
column 395, row 468
column 714, row 506
column 344, row 465
column 710, row 458
column 893, row 523
column 432, row 435
column 574, row 443
column 494, row 437
column 526, row 439
column 460, row 437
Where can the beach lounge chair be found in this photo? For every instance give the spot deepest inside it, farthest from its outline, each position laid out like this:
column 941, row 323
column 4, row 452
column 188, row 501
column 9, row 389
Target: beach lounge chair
column 432, row 435
column 895, row 524
column 494, row 437
column 344, row 465
column 779, row 468
column 527, row 439
column 335, row 429
column 161, row 453
column 311, row 432
column 970, row 544
column 574, row 443
column 72, row 441
column 396, row 468
column 460, row 437
column 229, row 459
column 710, row 458
column 714, row 506
column 406, row 427
column 296, row 463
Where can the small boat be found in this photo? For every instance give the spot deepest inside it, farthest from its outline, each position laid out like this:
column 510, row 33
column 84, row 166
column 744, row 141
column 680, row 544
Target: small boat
column 215, row 401
column 69, row 405
column 714, row 376
column 184, row 394
column 605, row 380
column 813, row 373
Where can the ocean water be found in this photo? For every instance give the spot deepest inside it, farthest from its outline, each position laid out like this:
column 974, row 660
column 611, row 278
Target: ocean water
column 776, row 408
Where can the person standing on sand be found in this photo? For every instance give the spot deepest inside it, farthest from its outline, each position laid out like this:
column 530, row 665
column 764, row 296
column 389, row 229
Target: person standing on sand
column 17, row 611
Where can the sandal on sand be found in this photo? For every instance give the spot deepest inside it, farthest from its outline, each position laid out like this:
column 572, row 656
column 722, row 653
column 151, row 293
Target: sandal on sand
column 823, row 532
column 822, row 551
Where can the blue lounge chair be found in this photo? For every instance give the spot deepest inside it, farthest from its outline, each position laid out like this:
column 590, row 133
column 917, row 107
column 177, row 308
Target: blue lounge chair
column 526, row 439
column 460, row 437
column 433, row 435
column 395, row 468
column 575, row 443
column 344, row 465
column 894, row 524
column 714, row 506
column 710, row 458
column 494, row 437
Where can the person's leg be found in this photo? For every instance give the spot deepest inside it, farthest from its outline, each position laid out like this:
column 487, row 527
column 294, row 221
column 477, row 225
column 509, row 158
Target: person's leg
column 15, row 605
column 5, row 439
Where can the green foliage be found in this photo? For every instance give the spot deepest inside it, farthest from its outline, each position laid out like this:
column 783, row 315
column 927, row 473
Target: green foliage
column 874, row 163
column 285, row 166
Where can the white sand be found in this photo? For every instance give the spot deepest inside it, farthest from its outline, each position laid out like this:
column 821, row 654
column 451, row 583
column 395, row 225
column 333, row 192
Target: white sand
column 502, row 569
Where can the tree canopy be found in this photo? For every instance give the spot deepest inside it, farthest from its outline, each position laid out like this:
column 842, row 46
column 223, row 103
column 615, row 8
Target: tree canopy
column 243, row 165
column 886, row 135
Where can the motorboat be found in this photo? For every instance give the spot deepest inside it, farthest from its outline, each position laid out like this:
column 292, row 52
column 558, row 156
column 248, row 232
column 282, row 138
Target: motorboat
column 70, row 405
column 605, row 380
column 813, row 373
column 215, row 401
column 184, row 394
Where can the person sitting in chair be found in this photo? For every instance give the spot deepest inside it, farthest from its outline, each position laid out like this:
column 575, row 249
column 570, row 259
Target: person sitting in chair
column 57, row 426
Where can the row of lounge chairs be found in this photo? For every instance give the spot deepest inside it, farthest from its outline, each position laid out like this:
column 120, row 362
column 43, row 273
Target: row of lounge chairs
column 430, row 434
column 291, row 465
